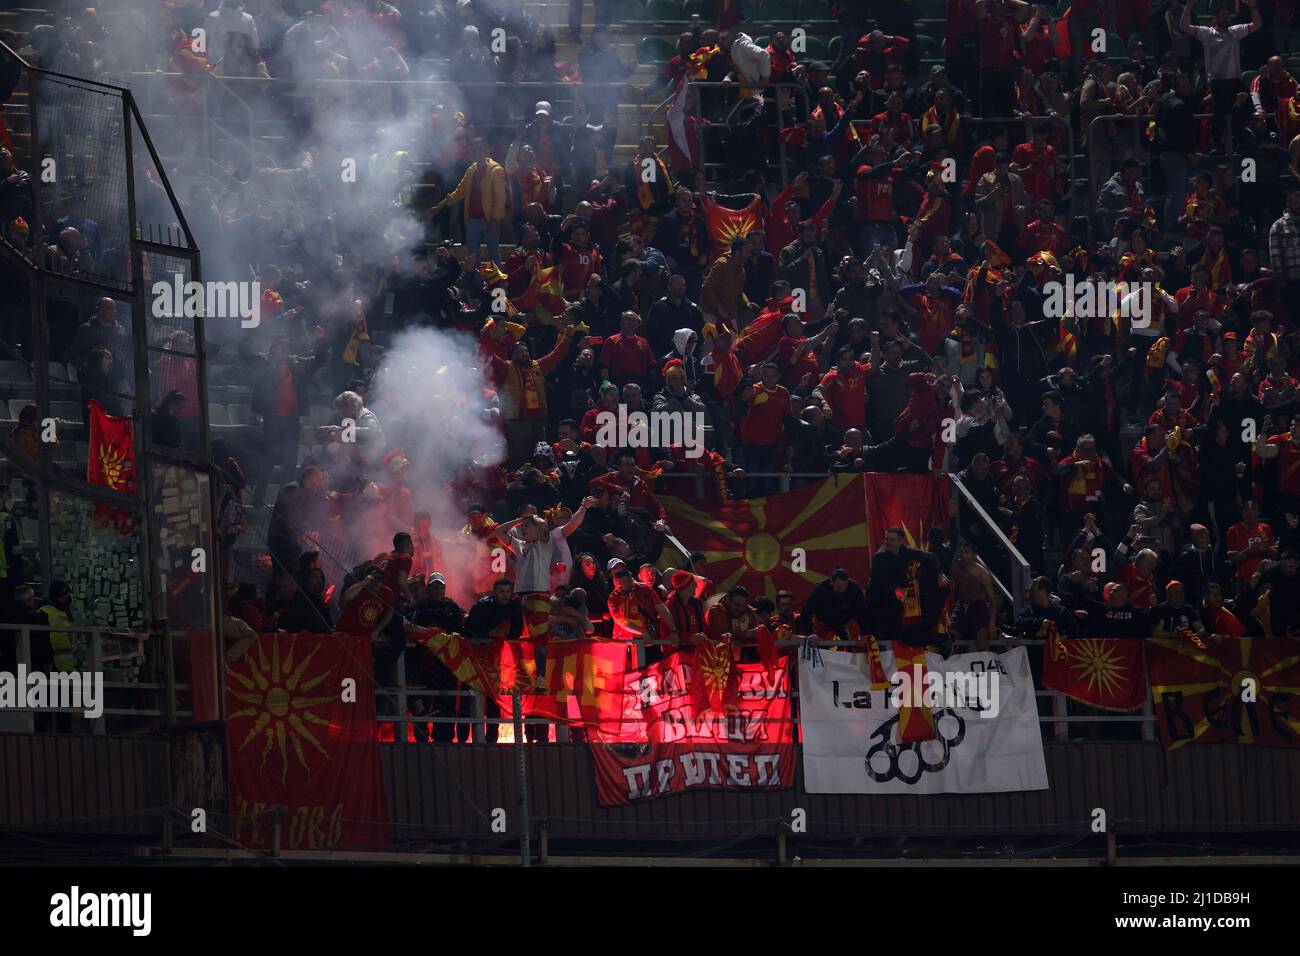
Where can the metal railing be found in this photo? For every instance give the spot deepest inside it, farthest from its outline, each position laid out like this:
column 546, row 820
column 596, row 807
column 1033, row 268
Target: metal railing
column 1020, row 570
column 1058, row 722
column 103, row 647
column 1140, row 148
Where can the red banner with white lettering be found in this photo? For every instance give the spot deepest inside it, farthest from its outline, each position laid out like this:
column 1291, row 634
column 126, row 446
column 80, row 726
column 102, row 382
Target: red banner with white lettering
column 675, row 738
column 301, row 736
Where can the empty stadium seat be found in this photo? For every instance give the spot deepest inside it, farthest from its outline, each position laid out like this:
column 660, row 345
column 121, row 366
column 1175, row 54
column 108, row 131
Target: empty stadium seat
column 14, row 372
column 240, row 414
column 775, row 10
column 626, row 10
column 815, row 10
column 217, row 414
column 815, row 48
column 690, row 7
column 929, row 9
column 833, row 49
column 663, row 11
column 654, row 50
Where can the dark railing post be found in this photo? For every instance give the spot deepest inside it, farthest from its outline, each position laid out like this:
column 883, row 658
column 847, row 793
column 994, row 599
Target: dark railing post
column 521, row 773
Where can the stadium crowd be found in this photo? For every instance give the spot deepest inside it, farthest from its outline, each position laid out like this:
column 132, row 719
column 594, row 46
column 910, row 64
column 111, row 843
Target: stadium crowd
column 846, row 266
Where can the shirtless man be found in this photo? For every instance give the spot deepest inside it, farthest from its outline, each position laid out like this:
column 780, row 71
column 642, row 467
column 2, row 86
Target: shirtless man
column 975, row 603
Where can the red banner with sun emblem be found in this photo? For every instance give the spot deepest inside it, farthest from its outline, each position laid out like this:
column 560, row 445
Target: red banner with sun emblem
column 1244, row 690
column 301, row 737
column 111, row 458
column 726, row 224
column 679, row 734
column 788, row 540
column 1103, row 672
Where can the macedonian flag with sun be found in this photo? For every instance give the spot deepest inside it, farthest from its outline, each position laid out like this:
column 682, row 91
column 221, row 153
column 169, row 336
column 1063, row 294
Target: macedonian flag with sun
column 302, row 735
column 1244, row 690
column 789, row 540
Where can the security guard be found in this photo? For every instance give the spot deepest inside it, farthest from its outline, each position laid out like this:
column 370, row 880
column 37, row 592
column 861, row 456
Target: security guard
column 59, row 655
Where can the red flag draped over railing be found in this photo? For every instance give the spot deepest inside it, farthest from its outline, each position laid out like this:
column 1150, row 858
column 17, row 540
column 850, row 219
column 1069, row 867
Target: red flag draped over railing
column 301, row 736
column 1103, row 672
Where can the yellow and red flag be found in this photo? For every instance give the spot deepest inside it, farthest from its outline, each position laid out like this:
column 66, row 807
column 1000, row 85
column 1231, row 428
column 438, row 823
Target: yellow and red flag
column 788, row 540
column 1241, row 691
column 725, row 224
column 294, row 741
column 1101, row 672
column 111, row 457
column 915, row 723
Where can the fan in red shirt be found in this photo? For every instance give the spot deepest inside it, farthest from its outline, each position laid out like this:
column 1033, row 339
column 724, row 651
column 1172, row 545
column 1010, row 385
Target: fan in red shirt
column 579, row 260
column 844, row 390
column 1035, row 161
column 524, row 260
column 1285, row 449
column 1250, row 542
column 895, row 118
column 783, row 60
column 635, row 608
column 1171, row 414
column 1043, row 234
column 798, row 352
column 1014, row 463
column 1139, row 578
column 627, row 356
column 768, row 402
column 923, row 415
column 627, row 480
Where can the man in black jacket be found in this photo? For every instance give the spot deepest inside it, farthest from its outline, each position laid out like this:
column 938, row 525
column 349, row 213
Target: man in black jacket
column 833, row 606
column 307, row 610
column 496, row 616
column 435, row 609
column 897, row 569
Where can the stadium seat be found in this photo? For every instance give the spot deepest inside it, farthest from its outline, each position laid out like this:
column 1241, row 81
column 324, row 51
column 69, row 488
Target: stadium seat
column 815, row 10
column 240, row 414
column 690, row 7
column 833, row 49
column 16, row 405
column 1116, row 48
column 217, row 414
column 633, row 10
column 815, row 48
column 14, row 372
column 763, row 40
column 775, row 11
column 663, row 11
column 928, row 9
column 928, row 47
column 67, row 411
column 654, row 50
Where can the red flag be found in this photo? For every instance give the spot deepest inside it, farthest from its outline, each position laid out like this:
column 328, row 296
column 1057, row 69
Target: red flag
column 726, row 224
column 915, row 724
column 713, row 678
column 1241, row 691
column 915, row 503
column 1101, row 672
column 111, row 458
column 760, row 338
column 296, row 742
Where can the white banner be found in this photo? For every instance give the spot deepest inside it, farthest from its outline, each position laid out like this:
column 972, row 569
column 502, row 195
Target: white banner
column 851, row 739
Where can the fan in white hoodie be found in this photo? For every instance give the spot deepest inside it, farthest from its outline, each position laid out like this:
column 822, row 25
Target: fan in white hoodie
column 753, row 63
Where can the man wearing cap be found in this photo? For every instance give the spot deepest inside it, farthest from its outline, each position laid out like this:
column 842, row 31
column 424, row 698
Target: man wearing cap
column 685, row 607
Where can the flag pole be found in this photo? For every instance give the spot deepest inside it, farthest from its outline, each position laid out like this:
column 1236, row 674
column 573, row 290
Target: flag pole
column 521, row 773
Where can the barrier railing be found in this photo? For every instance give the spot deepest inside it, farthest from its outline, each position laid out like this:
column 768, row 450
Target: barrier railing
column 1103, row 163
